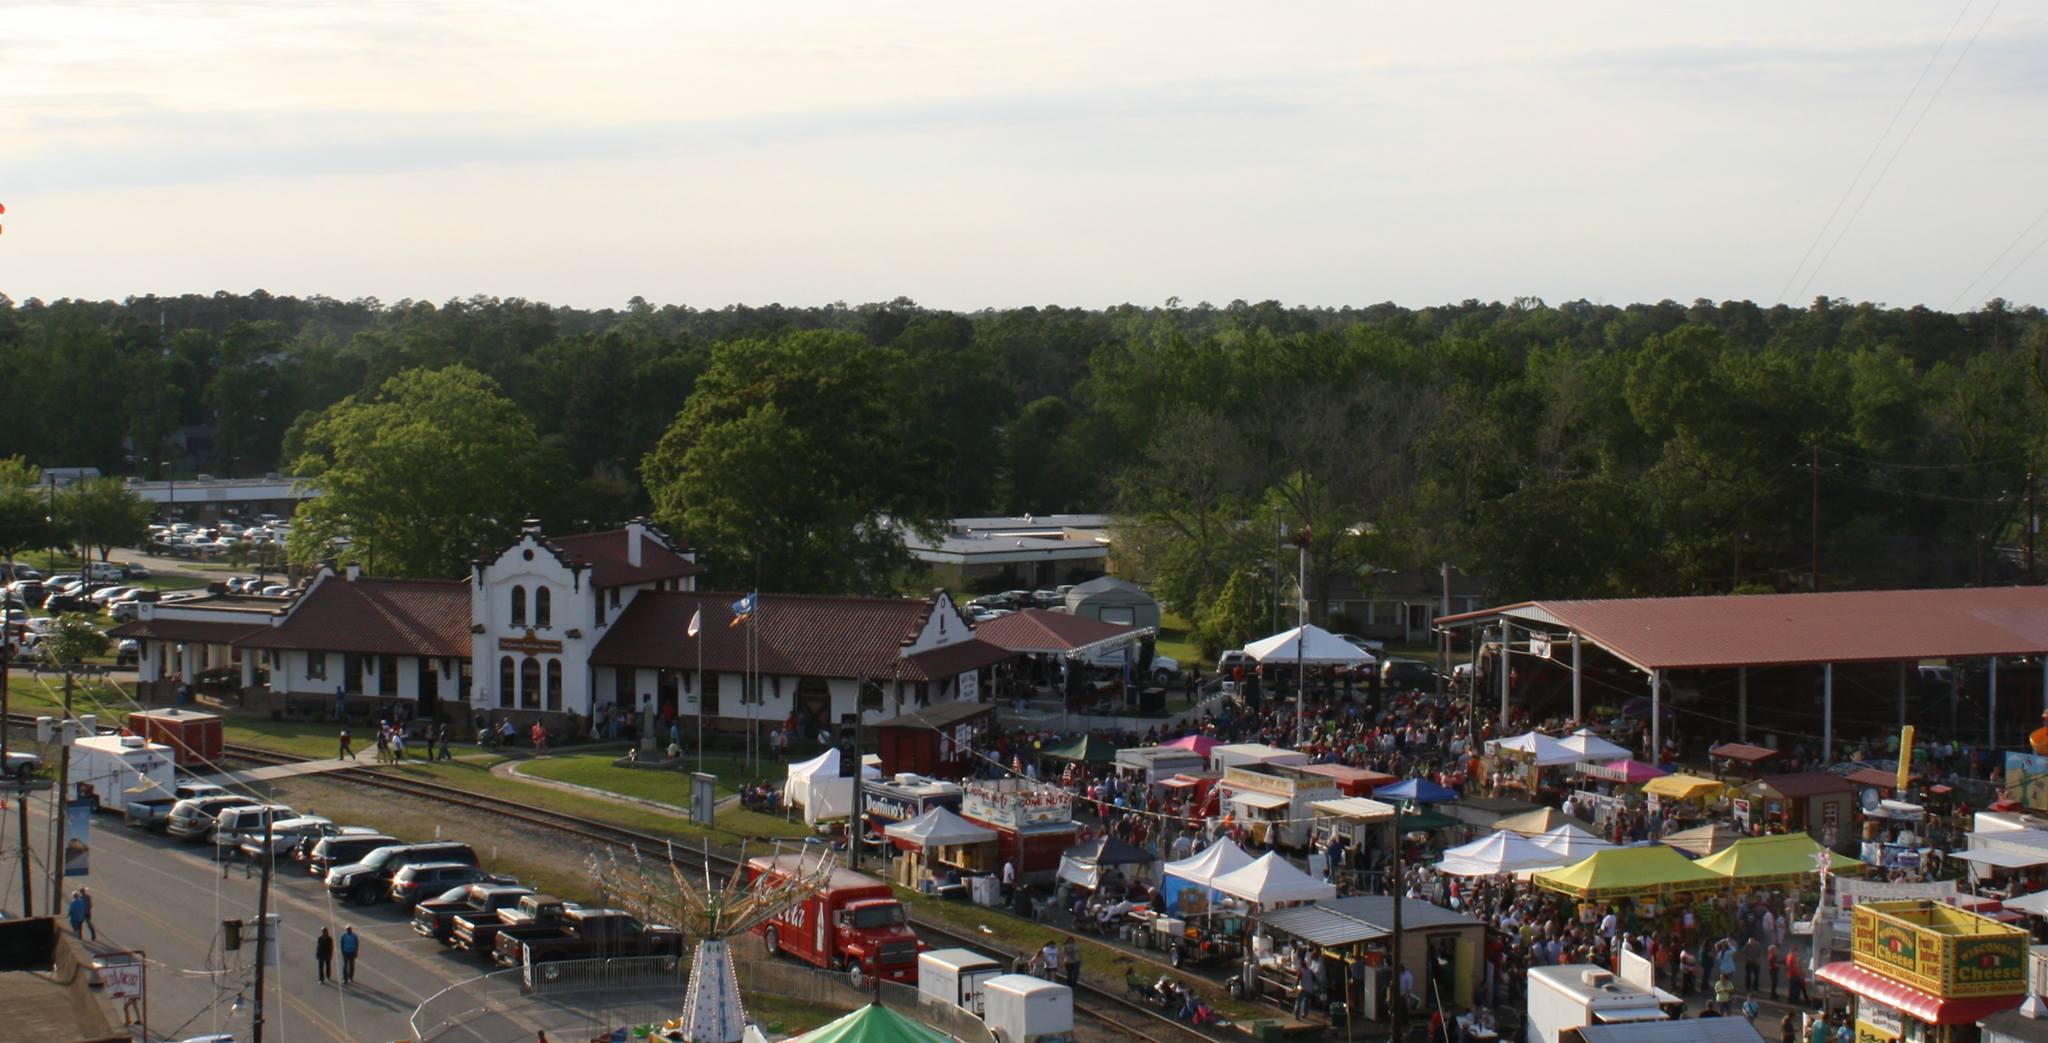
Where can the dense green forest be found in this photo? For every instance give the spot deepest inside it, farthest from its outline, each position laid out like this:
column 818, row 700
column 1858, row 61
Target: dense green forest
column 1571, row 449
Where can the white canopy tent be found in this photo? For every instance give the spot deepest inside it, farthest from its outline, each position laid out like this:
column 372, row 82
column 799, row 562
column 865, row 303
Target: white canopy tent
column 1309, row 645
column 815, row 786
column 1271, row 881
column 939, row 827
column 1570, row 844
column 1592, row 747
column 1201, row 869
column 1503, row 852
column 1547, row 752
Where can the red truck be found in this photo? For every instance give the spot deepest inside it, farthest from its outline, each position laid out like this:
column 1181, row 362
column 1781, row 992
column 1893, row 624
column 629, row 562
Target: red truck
column 855, row 919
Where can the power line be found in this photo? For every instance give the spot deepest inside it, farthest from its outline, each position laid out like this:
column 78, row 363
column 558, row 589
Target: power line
column 1875, row 146
column 1964, row 466
column 2038, row 218
column 1993, row 291
column 1903, row 142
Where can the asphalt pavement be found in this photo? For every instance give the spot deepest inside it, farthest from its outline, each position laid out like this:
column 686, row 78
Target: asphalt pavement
column 168, row 900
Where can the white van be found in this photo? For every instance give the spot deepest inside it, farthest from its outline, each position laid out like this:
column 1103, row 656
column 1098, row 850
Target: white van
column 103, row 571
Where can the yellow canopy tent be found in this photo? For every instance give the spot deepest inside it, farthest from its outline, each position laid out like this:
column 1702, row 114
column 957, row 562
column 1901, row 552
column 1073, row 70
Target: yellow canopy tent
column 1683, row 787
column 1629, row 872
column 1781, row 858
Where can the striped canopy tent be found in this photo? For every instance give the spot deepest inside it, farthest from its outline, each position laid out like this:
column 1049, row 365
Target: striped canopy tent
column 1778, row 859
column 1629, row 872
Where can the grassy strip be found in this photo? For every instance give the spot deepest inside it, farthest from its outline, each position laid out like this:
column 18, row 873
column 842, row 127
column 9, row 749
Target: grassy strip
column 779, row 1014
column 475, row 776
column 598, row 770
column 1101, row 965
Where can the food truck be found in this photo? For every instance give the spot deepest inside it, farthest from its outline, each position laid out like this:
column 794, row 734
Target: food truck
column 1150, row 764
column 114, row 768
column 1274, row 802
column 906, row 796
column 1575, row 995
column 1034, row 823
column 1927, row 971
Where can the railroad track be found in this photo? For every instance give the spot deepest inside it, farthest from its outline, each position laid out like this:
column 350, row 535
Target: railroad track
column 1151, row 1025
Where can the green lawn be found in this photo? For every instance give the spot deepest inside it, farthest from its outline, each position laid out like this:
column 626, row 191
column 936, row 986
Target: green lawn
column 1175, row 641
column 475, row 776
column 598, row 770
column 779, row 1014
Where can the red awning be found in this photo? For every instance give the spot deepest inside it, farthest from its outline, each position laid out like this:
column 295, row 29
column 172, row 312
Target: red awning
column 1738, row 751
column 1925, row 1006
column 1874, row 777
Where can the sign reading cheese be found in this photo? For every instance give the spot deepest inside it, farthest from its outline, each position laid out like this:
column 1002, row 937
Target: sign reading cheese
column 1940, row 949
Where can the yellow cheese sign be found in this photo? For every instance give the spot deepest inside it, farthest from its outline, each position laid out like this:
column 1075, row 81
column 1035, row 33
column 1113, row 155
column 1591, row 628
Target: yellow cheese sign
column 1939, row 948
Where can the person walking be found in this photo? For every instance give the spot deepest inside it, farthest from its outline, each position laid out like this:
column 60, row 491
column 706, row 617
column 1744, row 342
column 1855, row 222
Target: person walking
column 1752, row 957
column 443, row 754
column 80, row 913
column 1775, row 963
column 323, row 955
column 1070, row 960
column 347, row 753
column 349, row 944
column 1795, row 981
column 1788, row 1028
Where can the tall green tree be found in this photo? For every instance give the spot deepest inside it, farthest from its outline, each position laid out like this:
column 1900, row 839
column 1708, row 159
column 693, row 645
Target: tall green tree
column 24, row 512
column 416, row 478
column 103, row 513
column 797, row 464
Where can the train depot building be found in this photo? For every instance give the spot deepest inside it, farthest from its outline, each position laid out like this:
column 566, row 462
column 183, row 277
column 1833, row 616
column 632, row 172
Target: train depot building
column 565, row 630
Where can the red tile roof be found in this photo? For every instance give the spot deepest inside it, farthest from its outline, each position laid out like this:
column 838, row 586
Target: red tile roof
column 425, row 617
column 1800, row 785
column 201, row 630
column 1863, row 626
column 606, row 554
column 1043, row 630
column 799, row 635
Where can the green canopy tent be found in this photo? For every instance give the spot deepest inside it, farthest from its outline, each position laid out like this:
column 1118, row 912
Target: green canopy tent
column 873, row 1024
column 1090, row 749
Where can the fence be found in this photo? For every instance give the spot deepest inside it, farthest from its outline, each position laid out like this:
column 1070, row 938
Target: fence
column 623, row 972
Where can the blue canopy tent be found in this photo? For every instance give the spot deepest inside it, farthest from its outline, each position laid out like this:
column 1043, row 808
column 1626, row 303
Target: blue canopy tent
column 1416, row 791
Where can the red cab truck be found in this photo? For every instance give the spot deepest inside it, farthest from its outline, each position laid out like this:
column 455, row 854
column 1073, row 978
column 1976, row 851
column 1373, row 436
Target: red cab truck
column 855, row 919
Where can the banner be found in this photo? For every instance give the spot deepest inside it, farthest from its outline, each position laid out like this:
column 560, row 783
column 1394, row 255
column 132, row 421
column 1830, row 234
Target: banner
column 122, row 981
column 77, row 837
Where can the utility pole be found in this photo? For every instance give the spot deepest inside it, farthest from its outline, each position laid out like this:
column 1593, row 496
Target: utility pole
column 61, row 807
column 262, row 929
column 1399, row 1014
column 2030, row 529
column 1815, row 466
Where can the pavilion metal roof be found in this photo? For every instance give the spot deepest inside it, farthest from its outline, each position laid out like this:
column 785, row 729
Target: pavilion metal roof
column 1863, row 626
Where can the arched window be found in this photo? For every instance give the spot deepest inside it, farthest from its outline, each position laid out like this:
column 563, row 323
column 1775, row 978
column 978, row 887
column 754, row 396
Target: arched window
column 505, row 683
column 518, row 606
column 529, row 683
column 543, row 607
column 554, row 682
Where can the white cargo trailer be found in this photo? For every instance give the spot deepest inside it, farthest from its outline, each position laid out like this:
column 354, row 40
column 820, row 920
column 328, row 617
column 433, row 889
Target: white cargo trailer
column 115, row 765
column 1575, row 995
column 1019, row 1008
column 954, row 977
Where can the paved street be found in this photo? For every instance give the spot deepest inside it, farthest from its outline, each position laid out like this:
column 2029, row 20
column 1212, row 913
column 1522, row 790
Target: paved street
column 169, row 900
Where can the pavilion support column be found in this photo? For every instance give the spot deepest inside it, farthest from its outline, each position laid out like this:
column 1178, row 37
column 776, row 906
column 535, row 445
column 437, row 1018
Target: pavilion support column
column 1506, row 658
column 1993, row 714
column 1578, row 710
column 1902, row 697
column 1827, row 713
column 1742, row 703
column 1656, row 717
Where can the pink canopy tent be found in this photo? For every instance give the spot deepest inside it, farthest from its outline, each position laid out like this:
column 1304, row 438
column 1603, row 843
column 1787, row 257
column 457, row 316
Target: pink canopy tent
column 1201, row 744
column 1629, row 771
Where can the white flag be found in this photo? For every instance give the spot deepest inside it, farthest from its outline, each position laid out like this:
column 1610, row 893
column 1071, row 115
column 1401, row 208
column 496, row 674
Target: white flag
column 696, row 622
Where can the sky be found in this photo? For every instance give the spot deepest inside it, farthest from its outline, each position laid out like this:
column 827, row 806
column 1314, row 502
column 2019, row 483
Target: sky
column 968, row 155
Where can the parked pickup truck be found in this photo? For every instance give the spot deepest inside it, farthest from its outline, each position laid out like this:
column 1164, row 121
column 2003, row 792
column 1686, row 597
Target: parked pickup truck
column 586, row 934
column 477, row 933
column 435, row 918
column 153, row 812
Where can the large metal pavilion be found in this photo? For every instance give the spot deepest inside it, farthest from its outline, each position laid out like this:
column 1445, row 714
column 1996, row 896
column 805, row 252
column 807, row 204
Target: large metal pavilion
column 1739, row 632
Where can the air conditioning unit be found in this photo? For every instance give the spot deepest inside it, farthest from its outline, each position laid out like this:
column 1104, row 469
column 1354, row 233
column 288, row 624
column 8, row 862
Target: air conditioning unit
column 1597, row 979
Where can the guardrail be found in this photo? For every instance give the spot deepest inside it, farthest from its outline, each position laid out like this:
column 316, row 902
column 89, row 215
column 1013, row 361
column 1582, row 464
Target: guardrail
column 622, row 972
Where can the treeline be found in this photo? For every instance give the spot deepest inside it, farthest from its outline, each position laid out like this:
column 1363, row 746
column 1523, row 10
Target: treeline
column 1576, row 449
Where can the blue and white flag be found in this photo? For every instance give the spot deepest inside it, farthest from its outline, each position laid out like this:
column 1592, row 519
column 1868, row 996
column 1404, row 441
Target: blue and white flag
column 743, row 609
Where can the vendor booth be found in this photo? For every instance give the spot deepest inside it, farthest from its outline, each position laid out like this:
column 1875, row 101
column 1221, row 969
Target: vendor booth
column 1528, row 762
column 1088, row 749
column 1092, row 863
column 1570, row 844
column 1499, row 854
column 1926, row 972
column 1034, row 823
column 1200, row 744
column 1819, row 803
column 1534, row 823
column 1775, row 861
column 940, row 846
column 1591, row 747
column 1352, row 782
column 1739, row 759
column 1653, row 872
column 1683, row 796
column 1701, row 841
column 1247, row 754
column 817, row 787
column 1274, row 803
column 1185, row 885
column 1442, row 948
column 1149, row 764
column 905, row 797
column 1271, row 882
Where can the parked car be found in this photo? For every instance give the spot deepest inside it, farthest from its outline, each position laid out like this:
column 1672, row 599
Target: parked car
column 231, row 826
column 134, row 571
column 153, row 812
column 368, row 880
column 191, row 820
column 426, row 879
column 477, row 933
column 344, row 850
column 128, row 652
column 435, row 918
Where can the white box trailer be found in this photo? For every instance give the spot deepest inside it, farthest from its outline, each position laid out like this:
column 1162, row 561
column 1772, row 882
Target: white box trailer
column 120, row 766
column 1019, row 1008
column 954, row 977
column 1579, row 994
